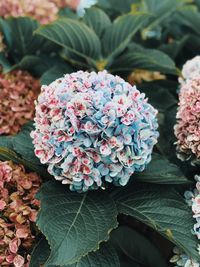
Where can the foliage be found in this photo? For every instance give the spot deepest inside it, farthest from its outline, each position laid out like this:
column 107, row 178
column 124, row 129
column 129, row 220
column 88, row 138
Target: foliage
column 113, row 227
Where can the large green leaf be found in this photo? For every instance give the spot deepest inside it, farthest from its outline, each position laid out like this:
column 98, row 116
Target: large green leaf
column 40, row 253
column 74, row 224
column 174, row 48
column 134, row 249
column 163, row 209
column 105, row 256
column 21, row 143
column 4, row 63
column 161, row 171
column 119, row 34
column 161, row 10
column 96, row 19
column 74, row 36
column 148, row 59
column 21, row 41
column 190, row 18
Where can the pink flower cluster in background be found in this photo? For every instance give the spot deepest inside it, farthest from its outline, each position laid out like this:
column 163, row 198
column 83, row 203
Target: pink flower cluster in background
column 190, row 70
column 18, row 208
column 18, row 90
column 44, row 11
column 93, row 128
column 187, row 129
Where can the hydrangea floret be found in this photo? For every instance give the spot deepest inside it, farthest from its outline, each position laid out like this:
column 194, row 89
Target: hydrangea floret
column 93, row 128
column 18, row 90
column 18, row 210
column 187, row 129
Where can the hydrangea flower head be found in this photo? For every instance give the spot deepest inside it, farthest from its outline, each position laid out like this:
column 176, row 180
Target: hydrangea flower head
column 45, row 11
column 193, row 200
column 190, row 70
column 18, row 90
column 18, row 208
column 187, row 129
column 93, row 128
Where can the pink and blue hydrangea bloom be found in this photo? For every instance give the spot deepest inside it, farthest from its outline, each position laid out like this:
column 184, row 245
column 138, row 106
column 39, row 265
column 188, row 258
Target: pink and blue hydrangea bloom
column 93, row 129
column 193, row 200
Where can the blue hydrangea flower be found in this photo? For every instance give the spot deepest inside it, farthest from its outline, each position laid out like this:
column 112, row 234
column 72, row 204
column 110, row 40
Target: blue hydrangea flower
column 93, row 129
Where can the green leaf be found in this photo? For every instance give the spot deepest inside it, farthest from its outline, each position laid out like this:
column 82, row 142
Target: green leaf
column 74, row 224
column 74, row 36
column 174, row 48
column 133, row 247
column 4, row 63
column 119, row 34
column 161, row 171
column 190, row 18
column 22, row 40
column 148, row 59
column 40, row 253
column 97, row 20
column 163, row 209
column 22, row 143
column 19, row 149
column 161, row 10
column 106, row 256
column 27, row 63
column 158, row 93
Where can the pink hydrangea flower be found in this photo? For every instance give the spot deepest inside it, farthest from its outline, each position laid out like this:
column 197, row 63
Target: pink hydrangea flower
column 93, row 128
column 45, row 11
column 190, row 70
column 19, row 209
column 187, row 129
column 18, row 90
